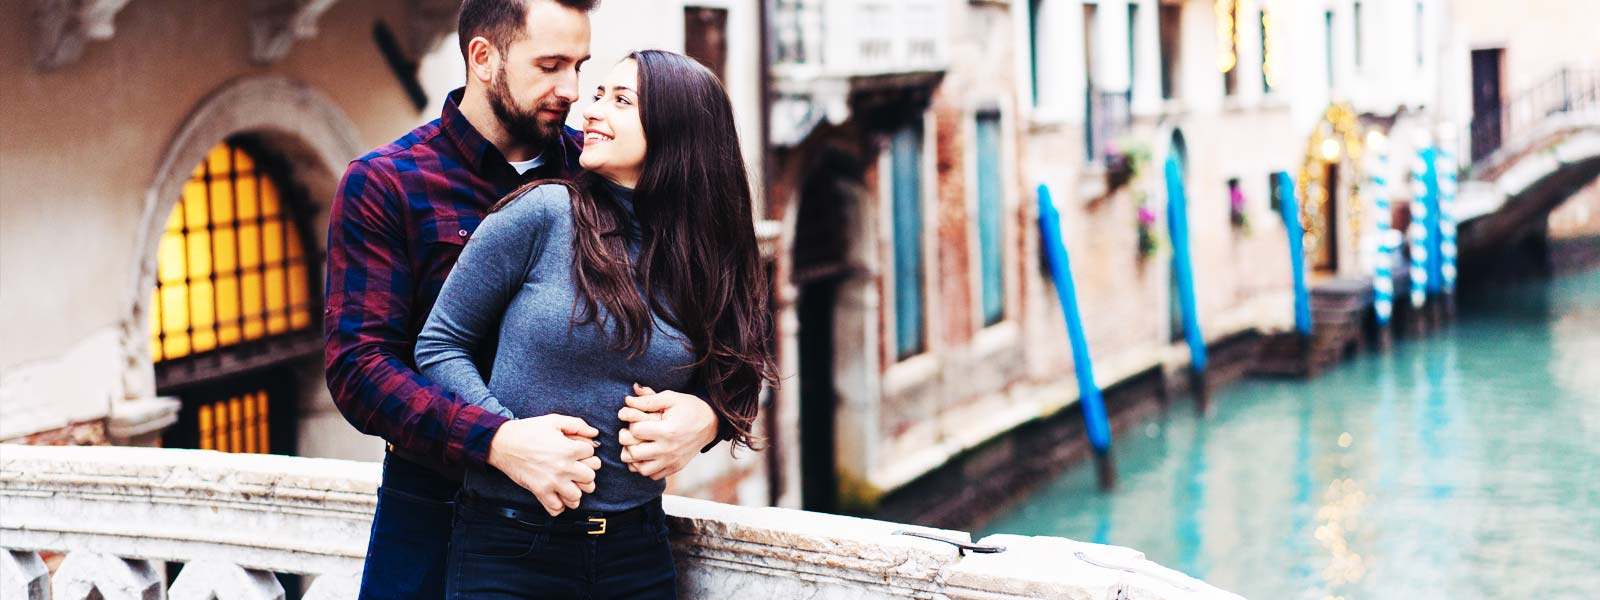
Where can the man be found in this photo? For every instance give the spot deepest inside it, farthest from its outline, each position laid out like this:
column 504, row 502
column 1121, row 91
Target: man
column 403, row 213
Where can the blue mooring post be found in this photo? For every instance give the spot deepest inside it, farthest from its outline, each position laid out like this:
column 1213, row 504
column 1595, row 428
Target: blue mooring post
column 1094, row 409
column 1297, row 255
column 1178, row 225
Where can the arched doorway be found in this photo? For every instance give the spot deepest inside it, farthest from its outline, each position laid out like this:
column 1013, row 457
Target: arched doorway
column 1328, row 191
column 234, row 304
column 302, row 141
column 1177, row 149
column 821, row 268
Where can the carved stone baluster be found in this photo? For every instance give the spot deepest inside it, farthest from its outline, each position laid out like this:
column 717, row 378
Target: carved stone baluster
column 334, row 586
column 84, row 573
column 23, row 575
column 213, row 579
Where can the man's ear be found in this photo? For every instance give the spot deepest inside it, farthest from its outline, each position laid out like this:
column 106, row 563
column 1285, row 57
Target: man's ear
column 483, row 60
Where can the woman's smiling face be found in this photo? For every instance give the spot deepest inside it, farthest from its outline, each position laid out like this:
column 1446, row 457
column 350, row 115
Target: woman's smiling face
column 613, row 135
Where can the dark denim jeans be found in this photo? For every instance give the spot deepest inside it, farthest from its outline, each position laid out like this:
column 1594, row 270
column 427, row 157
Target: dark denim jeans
column 494, row 557
column 410, row 533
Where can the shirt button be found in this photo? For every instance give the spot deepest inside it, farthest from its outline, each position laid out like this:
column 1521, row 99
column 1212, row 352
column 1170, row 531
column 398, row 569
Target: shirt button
column 462, row 233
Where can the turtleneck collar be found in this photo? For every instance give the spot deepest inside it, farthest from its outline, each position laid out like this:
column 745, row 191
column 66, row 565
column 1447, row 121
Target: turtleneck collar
column 624, row 197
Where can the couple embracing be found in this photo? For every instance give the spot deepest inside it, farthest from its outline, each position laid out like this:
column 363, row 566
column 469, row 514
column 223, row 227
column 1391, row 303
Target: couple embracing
column 545, row 324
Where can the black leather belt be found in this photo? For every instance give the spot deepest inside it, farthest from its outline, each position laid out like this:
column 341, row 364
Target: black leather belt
column 588, row 522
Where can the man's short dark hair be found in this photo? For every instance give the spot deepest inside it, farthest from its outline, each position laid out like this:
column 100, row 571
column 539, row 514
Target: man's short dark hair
column 501, row 21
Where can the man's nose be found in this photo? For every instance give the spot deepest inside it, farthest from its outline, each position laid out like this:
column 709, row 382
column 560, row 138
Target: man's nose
column 567, row 88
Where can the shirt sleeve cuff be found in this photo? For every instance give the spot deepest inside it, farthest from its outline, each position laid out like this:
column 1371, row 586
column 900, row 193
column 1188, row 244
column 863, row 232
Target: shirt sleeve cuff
column 724, row 432
column 474, row 429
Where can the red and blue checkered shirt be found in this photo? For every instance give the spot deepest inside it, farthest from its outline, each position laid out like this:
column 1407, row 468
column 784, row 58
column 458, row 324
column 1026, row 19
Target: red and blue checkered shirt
column 402, row 215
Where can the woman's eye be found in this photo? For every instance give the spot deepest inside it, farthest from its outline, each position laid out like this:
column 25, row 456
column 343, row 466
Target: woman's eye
column 624, row 100
column 595, row 98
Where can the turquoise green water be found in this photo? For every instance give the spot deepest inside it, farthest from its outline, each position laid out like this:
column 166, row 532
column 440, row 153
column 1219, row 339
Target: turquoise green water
column 1465, row 465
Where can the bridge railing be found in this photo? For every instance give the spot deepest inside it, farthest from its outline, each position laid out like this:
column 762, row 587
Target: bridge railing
column 1565, row 90
column 105, row 522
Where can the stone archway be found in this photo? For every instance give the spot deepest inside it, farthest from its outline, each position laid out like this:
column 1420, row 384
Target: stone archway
column 827, row 316
column 1329, row 190
column 299, row 124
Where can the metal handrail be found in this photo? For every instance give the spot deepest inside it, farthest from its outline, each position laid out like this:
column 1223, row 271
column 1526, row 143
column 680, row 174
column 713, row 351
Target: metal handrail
column 1564, row 90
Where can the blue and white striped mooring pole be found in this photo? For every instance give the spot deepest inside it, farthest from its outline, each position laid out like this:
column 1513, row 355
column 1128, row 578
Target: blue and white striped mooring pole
column 1387, row 240
column 1094, row 410
column 1445, row 170
column 1417, row 232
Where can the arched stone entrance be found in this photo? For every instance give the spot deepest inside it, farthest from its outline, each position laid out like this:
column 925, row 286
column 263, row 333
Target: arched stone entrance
column 1329, row 191
column 306, row 141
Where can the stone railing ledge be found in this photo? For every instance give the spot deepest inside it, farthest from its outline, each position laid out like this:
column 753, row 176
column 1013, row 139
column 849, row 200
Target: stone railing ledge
column 1054, row 567
column 118, row 512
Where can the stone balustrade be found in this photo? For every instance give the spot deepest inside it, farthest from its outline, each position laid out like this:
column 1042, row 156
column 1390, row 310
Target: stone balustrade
column 118, row 515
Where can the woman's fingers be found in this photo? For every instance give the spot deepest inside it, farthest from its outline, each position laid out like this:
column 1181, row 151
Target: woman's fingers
column 627, row 438
column 643, row 452
column 592, row 462
column 587, row 488
column 634, row 415
column 652, row 468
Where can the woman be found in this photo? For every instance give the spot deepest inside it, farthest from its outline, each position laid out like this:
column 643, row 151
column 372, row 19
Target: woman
column 642, row 271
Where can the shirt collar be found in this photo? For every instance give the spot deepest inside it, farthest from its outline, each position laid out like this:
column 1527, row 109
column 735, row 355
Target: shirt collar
column 477, row 150
column 483, row 157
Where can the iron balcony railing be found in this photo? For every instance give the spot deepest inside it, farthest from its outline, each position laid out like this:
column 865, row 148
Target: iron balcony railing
column 853, row 38
column 1566, row 90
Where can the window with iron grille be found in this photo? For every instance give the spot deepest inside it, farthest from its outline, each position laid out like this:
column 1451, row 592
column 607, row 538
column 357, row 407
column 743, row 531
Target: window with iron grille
column 235, row 297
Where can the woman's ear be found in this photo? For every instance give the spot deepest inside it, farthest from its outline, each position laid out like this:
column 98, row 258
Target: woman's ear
column 483, row 60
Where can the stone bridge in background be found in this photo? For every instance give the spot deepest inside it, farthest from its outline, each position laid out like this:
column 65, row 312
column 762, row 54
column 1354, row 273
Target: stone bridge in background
column 101, row 522
column 1537, row 151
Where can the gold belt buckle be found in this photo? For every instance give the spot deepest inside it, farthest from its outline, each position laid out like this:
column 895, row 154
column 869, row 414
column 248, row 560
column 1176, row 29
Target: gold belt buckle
column 602, row 523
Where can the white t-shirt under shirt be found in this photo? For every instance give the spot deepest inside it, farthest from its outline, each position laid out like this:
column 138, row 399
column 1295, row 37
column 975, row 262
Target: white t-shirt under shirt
column 528, row 165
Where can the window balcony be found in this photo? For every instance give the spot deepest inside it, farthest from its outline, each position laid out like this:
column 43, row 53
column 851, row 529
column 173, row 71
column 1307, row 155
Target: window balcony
column 823, row 50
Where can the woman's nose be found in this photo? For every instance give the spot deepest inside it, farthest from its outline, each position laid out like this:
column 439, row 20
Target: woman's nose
column 592, row 112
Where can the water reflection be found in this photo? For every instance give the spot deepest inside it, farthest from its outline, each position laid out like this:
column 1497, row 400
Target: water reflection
column 1464, row 465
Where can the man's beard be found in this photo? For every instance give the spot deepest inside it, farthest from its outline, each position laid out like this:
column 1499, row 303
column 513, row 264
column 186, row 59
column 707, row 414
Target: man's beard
column 523, row 125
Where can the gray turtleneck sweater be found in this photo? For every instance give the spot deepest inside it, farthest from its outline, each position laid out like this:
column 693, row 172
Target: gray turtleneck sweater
column 515, row 277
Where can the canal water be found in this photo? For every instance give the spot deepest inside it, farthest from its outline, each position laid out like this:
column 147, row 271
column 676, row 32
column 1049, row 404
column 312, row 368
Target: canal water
column 1463, row 465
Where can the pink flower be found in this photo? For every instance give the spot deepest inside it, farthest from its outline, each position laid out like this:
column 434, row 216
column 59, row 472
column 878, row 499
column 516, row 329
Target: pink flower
column 1146, row 216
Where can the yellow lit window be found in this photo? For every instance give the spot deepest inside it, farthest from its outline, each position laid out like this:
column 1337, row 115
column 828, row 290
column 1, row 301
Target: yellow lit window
column 238, row 424
column 232, row 267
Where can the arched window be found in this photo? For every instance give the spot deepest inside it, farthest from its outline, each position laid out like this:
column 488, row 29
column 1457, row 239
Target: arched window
column 233, row 300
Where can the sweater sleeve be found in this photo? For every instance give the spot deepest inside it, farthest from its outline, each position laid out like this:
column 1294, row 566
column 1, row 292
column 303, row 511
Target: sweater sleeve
column 492, row 268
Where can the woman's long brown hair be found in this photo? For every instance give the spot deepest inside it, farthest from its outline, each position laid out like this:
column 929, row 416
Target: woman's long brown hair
column 698, row 256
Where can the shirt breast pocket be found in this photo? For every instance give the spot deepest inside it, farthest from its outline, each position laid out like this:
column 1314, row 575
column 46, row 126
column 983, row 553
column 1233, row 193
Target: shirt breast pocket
column 444, row 237
column 439, row 246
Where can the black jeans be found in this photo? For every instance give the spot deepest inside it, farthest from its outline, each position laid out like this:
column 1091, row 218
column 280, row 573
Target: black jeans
column 496, row 557
column 410, row 539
